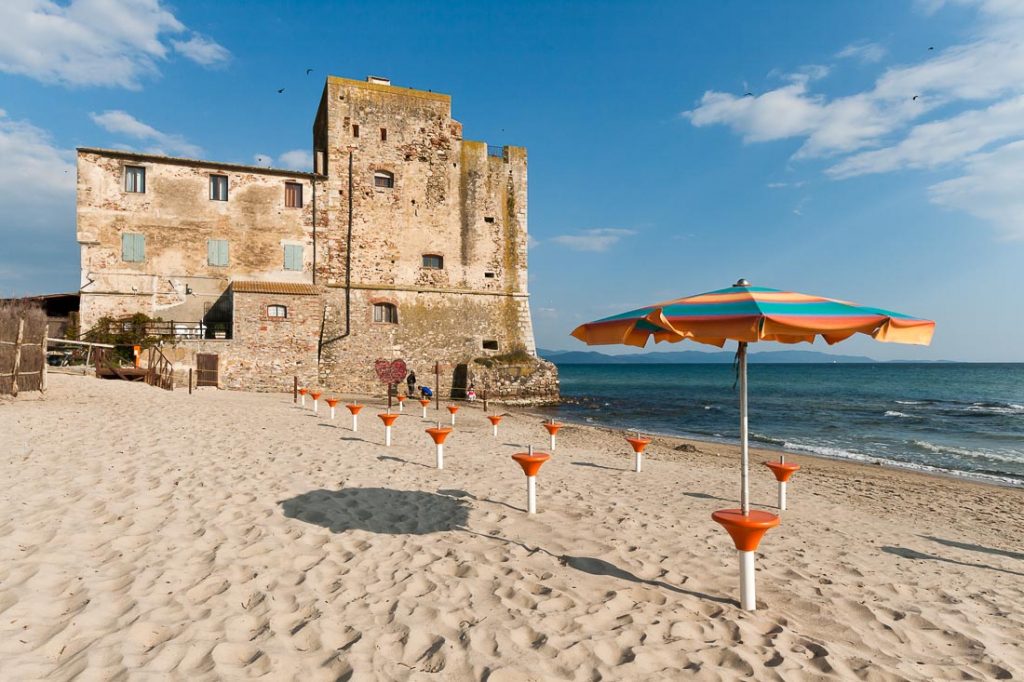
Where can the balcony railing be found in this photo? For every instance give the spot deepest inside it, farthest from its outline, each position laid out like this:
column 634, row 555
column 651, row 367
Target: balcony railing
column 173, row 329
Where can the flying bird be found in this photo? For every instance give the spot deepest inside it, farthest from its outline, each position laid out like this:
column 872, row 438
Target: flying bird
column 931, row 48
column 748, row 94
column 280, row 91
column 309, row 71
column 914, row 98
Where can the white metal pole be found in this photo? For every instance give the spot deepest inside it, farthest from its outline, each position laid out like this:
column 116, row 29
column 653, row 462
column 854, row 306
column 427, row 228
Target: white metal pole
column 495, row 430
column 424, row 411
column 440, row 456
column 531, row 494
column 332, row 414
column 453, row 419
column 744, row 444
column 401, row 406
column 355, row 423
column 782, row 496
column 387, row 436
column 552, row 441
column 639, row 461
column 316, row 406
column 303, row 399
column 747, row 601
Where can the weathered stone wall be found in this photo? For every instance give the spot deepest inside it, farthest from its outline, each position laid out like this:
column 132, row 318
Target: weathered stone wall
column 265, row 353
column 529, row 382
column 177, row 217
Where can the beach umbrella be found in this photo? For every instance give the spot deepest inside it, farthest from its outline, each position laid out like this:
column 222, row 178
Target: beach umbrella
column 748, row 314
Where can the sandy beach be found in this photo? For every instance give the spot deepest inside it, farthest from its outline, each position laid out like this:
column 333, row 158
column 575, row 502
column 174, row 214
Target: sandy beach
column 227, row 535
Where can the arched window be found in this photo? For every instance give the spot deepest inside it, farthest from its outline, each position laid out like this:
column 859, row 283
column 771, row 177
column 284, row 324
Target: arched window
column 278, row 311
column 433, row 261
column 383, row 179
column 385, row 312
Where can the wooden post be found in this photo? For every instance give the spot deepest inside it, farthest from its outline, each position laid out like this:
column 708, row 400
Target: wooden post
column 43, row 369
column 437, row 385
column 190, row 381
column 17, row 356
column 295, row 389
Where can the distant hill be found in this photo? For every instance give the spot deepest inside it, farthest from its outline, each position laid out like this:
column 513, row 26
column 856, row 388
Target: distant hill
column 577, row 357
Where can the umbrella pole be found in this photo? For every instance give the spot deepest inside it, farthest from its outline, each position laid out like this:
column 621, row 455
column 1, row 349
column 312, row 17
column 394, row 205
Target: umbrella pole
column 744, row 444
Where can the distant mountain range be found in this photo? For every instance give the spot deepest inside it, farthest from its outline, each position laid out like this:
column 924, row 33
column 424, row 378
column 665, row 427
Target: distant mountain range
column 577, row 357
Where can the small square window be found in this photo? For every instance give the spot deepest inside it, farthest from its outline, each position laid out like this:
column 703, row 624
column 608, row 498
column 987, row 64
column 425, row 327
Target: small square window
column 277, row 311
column 218, row 188
column 383, row 179
column 385, row 312
column 135, row 179
column 355, row 130
column 292, row 257
column 133, row 247
column 217, row 252
column 489, row 219
column 490, row 345
column 433, row 261
column 383, row 134
column 489, row 275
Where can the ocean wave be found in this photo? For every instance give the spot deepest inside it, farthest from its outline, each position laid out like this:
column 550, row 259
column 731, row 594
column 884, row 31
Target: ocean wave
column 964, row 452
column 996, row 408
column 894, row 413
column 761, row 438
column 911, row 402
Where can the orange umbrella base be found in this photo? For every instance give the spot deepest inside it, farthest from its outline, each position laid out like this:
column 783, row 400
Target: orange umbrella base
column 453, row 409
column 303, row 391
column 355, row 409
column 783, row 470
column 553, row 428
column 424, row 402
column 746, row 531
column 439, row 434
column 315, row 395
column 639, row 443
column 388, row 419
column 495, row 419
column 331, row 402
column 531, row 463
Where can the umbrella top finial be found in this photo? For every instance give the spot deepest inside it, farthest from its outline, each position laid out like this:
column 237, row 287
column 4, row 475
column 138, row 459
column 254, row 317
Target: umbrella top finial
column 742, row 283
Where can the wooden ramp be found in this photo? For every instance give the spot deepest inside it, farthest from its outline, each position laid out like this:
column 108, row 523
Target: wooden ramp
column 123, row 373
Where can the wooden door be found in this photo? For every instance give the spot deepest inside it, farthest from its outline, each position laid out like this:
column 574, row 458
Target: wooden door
column 206, row 369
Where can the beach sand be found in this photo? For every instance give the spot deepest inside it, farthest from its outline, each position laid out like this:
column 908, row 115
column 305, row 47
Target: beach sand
column 231, row 535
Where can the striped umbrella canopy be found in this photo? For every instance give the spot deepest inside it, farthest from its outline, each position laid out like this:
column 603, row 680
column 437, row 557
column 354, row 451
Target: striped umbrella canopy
column 747, row 314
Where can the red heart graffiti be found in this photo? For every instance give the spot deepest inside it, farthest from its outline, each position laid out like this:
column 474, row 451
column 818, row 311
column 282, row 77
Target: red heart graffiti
column 392, row 372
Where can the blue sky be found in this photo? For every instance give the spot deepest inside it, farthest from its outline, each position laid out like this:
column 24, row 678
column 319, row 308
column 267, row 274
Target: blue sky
column 879, row 156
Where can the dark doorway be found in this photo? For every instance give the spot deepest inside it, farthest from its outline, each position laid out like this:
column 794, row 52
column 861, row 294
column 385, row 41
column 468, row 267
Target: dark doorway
column 206, row 369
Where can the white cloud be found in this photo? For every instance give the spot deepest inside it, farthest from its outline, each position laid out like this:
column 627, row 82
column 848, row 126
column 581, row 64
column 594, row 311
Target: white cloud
column 863, row 51
column 990, row 189
column 297, row 159
column 945, row 110
column 123, row 123
column 37, row 223
column 600, row 239
column 202, row 50
column 93, row 42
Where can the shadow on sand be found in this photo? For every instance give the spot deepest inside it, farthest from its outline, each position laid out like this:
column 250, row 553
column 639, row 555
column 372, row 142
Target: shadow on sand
column 976, row 548
column 415, row 512
column 905, row 553
column 596, row 466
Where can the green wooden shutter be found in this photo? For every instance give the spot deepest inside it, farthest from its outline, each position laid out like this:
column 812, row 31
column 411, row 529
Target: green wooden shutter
column 133, row 247
column 217, row 251
column 140, row 248
column 223, row 252
column 292, row 257
column 211, row 252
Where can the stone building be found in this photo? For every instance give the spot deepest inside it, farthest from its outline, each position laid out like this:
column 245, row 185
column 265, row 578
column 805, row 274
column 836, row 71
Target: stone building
column 409, row 242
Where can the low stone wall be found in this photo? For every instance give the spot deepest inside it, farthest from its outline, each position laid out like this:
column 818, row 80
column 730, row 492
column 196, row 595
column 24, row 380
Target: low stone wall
column 523, row 383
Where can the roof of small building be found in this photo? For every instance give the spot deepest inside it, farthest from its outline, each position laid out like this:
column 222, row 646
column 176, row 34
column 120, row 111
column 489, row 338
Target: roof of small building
column 183, row 161
column 281, row 288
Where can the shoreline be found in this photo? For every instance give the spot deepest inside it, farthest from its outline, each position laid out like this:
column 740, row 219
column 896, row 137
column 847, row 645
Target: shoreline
column 762, row 448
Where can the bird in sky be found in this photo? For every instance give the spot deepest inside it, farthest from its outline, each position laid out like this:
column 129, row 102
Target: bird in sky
column 280, row 91
column 931, row 48
column 914, row 98
column 748, row 94
column 309, row 71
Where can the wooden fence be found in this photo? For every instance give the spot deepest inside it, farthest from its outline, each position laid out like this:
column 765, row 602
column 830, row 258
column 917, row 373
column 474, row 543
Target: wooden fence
column 23, row 332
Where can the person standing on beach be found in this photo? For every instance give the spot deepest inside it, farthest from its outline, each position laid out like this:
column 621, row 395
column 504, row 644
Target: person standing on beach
column 410, row 383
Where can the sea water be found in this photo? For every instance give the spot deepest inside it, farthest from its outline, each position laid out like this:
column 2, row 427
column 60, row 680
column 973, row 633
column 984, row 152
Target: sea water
column 960, row 419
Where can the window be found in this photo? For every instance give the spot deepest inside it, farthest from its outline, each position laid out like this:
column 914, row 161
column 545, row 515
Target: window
column 489, row 219
column 133, row 247
column 490, row 345
column 489, row 275
column 135, row 179
column 218, row 188
column 433, row 261
column 217, row 252
column 292, row 257
column 383, row 134
column 292, row 195
column 355, row 130
column 383, row 179
column 278, row 311
column 385, row 312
